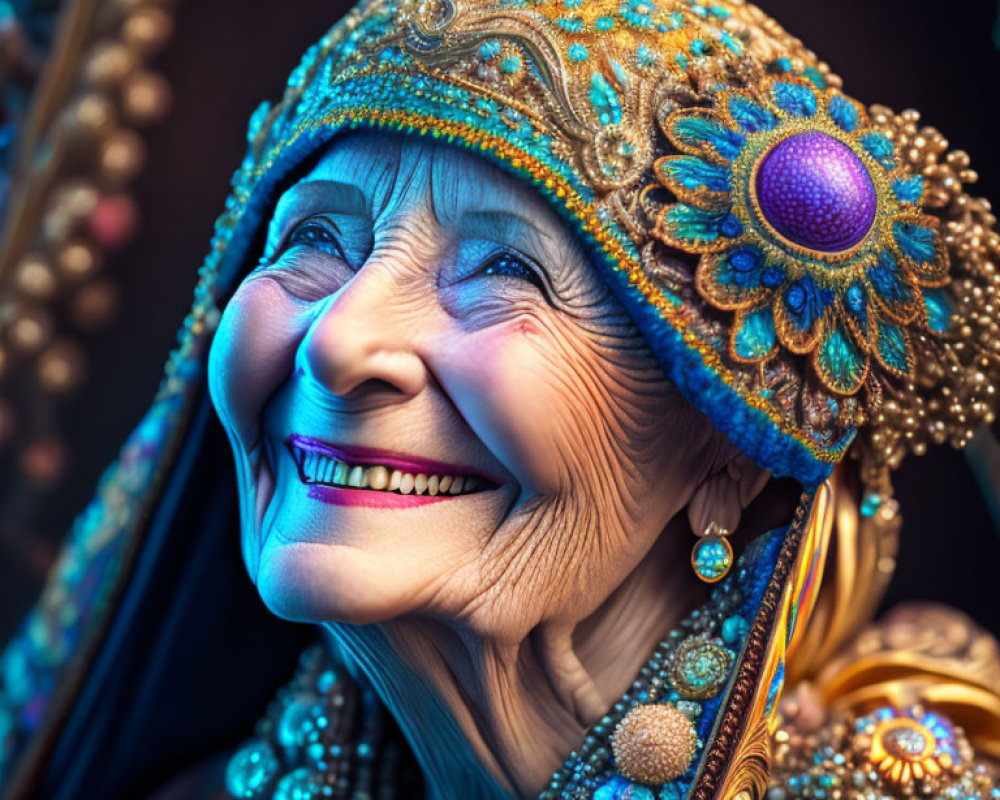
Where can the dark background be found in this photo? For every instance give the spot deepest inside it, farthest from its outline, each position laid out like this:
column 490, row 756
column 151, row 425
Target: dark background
column 228, row 55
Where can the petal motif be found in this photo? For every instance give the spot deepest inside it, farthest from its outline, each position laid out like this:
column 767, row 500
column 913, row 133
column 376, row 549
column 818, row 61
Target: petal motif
column 700, row 133
column 938, row 306
column 753, row 337
column 695, row 229
column 848, row 114
column 908, row 189
column 800, row 314
column 840, row 364
column 881, row 148
column 892, row 288
column 921, row 245
column 859, row 315
column 605, row 100
column 694, row 180
column 751, row 117
column 733, row 280
column 795, row 99
column 893, row 349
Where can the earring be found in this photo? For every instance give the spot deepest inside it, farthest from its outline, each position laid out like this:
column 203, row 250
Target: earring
column 712, row 555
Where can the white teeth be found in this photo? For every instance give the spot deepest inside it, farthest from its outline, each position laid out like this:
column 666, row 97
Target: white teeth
column 317, row 468
column 354, row 479
column 378, row 477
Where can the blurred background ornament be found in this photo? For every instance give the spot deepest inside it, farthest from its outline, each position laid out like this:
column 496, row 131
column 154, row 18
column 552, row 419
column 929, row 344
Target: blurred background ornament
column 76, row 84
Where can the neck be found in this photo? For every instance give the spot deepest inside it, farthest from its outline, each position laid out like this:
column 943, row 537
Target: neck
column 495, row 720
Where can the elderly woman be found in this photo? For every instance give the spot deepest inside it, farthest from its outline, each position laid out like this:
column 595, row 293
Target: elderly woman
column 545, row 325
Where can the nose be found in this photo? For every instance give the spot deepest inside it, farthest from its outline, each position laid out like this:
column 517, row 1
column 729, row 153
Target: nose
column 359, row 348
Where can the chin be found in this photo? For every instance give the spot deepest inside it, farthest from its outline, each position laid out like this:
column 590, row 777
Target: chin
column 324, row 582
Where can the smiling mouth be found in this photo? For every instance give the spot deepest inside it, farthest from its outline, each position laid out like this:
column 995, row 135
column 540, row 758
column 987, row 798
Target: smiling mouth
column 320, row 464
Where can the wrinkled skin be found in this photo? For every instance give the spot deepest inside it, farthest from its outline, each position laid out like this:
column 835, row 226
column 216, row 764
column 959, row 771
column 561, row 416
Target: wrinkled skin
column 497, row 625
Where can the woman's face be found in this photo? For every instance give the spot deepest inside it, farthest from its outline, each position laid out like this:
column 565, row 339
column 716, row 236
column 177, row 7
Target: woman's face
column 436, row 405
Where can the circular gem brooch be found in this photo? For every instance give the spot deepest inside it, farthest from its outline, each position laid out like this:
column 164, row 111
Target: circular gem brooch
column 808, row 227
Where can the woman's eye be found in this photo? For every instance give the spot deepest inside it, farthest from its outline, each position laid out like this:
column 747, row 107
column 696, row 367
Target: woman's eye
column 317, row 234
column 507, row 265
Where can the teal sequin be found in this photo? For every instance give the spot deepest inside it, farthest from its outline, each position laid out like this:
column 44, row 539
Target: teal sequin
column 731, row 42
column 605, row 100
column 577, row 52
column 489, row 50
column 511, row 65
column 572, row 24
column 645, row 57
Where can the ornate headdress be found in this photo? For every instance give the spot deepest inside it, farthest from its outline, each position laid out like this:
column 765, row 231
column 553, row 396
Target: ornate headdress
column 803, row 267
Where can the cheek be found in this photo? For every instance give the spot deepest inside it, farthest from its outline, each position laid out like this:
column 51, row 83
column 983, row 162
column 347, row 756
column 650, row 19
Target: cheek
column 253, row 353
column 523, row 388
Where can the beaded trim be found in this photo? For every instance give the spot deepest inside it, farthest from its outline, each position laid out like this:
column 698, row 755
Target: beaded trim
column 305, row 741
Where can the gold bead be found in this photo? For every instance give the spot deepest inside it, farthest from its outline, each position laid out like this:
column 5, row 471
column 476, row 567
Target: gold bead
column 653, row 744
column 146, row 97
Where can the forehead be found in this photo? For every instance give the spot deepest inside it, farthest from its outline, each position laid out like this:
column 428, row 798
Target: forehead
column 383, row 172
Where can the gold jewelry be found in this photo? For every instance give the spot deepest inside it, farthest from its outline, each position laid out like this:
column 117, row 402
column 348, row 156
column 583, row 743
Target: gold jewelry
column 712, row 555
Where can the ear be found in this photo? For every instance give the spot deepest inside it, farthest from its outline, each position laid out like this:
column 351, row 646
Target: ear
column 730, row 485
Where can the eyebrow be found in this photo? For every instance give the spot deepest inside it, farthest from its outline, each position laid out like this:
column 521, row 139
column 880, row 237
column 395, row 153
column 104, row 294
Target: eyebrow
column 313, row 196
column 337, row 196
column 505, row 226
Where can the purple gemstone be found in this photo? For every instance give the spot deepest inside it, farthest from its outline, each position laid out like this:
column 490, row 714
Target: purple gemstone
column 816, row 192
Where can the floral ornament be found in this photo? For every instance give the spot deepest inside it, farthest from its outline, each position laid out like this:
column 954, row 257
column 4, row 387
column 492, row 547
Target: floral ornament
column 909, row 746
column 808, row 227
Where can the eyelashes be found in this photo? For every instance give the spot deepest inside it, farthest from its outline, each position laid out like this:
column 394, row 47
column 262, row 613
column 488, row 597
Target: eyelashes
column 318, row 233
column 512, row 271
column 506, row 264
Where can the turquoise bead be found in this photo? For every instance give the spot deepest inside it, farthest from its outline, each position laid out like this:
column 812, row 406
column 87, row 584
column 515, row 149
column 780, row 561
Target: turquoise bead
column 870, row 505
column 301, row 784
column 251, row 770
column 620, row 789
column 734, row 630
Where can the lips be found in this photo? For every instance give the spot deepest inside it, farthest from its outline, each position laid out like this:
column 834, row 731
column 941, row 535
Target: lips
column 380, row 472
